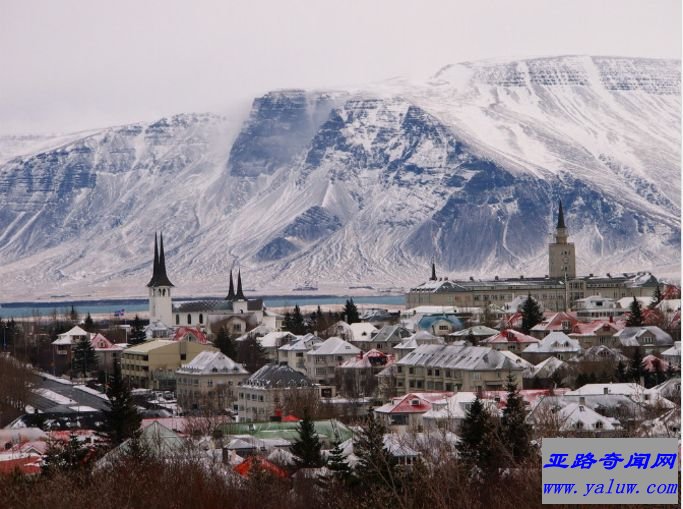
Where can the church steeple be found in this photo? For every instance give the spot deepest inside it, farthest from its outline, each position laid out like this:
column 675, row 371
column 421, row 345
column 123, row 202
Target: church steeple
column 156, row 262
column 560, row 218
column 239, row 295
column 231, row 290
column 433, row 278
column 159, row 277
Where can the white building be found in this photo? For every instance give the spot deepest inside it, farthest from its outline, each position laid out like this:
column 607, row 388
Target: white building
column 325, row 357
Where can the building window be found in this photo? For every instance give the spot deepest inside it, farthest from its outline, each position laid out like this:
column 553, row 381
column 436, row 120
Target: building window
column 237, row 327
column 201, row 318
column 411, row 371
column 189, row 319
column 437, row 372
column 177, row 319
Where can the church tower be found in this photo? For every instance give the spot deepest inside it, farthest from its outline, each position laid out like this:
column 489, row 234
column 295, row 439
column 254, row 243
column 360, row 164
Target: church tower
column 239, row 303
column 160, row 304
column 561, row 254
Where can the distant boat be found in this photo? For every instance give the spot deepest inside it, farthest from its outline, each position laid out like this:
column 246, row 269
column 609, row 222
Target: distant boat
column 361, row 287
column 306, row 286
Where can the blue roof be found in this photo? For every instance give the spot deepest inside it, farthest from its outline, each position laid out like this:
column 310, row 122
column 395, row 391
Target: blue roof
column 426, row 322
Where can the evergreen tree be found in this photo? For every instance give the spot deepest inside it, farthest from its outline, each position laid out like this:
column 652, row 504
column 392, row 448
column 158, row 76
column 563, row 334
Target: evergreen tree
column 478, row 446
column 516, row 433
column 251, row 354
column 298, row 325
column 306, row 448
column 636, row 368
column 84, row 357
column 657, row 297
column 64, row 457
column 89, row 324
column 225, row 343
column 122, row 420
column 621, row 374
column 635, row 317
column 336, row 462
column 376, row 466
column 531, row 314
column 137, row 332
column 287, row 321
column 351, row 312
column 73, row 315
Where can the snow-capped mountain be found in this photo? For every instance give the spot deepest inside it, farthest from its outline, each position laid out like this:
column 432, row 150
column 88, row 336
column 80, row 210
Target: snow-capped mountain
column 362, row 186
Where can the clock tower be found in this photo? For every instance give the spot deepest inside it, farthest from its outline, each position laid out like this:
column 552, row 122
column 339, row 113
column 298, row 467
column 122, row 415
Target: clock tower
column 561, row 254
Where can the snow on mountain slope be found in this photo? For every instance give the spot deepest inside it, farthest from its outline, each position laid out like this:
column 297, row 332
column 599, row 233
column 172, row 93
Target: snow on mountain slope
column 363, row 186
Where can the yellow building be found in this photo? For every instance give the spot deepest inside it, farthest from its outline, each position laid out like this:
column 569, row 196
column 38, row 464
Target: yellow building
column 152, row 365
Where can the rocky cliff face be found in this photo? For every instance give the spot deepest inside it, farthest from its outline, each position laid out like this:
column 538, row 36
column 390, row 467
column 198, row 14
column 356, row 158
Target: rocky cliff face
column 367, row 186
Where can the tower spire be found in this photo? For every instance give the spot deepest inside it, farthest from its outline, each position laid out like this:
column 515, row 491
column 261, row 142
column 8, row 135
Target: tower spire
column 155, row 267
column 560, row 217
column 159, row 278
column 433, row 278
column 240, row 294
column 231, row 289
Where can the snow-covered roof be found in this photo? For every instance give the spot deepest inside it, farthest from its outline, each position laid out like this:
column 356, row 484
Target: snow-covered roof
column 413, row 403
column 101, row 343
column 509, row 336
column 595, row 326
column 653, row 364
column 674, row 351
column 575, row 416
column 275, row 339
column 334, row 346
column 371, row 359
column 459, row 357
column 554, row 342
column 301, row 344
column 599, row 353
column 522, row 363
column 209, row 363
column 546, row 368
column 556, row 322
column 665, row 426
column 190, row 334
column 149, row 346
column 272, row 376
column 457, row 405
column 476, row 331
column 626, row 389
column 67, row 337
column 626, row 302
column 362, row 331
column 634, row 336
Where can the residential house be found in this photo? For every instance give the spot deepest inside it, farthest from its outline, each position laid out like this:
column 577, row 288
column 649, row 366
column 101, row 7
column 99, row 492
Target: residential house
column 509, row 339
column 208, row 382
column 387, row 339
column 265, row 391
column 419, row 338
column 546, row 371
column 357, row 377
column 597, row 332
column 62, row 348
column 600, row 354
column 634, row 391
column 406, row 411
column 324, row 358
column 440, row 324
column 191, row 334
column 272, row 341
column 478, row 333
column 294, row 353
column 596, row 306
column 650, row 338
column 556, row 344
column 107, row 353
column 362, row 332
column 152, row 365
column 340, row 329
column 557, row 322
column 673, row 355
column 450, row 412
column 455, row 368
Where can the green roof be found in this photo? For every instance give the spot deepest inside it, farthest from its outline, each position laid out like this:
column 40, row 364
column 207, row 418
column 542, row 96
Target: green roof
column 329, row 430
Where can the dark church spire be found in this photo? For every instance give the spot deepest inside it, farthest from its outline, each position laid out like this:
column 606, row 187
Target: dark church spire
column 560, row 217
column 231, row 290
column 240, row 294
column 159, row 277
column 433, row 278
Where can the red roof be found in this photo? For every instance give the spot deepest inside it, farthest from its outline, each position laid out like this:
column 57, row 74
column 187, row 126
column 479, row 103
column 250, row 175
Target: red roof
column 554, row 322
column 99, row 342
column 245, row 468
column 595, row 326
column 195, row 334
column 510, row 336
column 290, row 418
column 415, row 402
column 653, row 364
column 25, row 465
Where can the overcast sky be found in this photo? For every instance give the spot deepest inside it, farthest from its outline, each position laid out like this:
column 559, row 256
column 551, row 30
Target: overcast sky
column 74, row 64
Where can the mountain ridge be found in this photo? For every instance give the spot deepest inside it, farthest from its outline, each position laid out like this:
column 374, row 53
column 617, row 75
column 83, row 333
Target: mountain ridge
column 363, row 185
